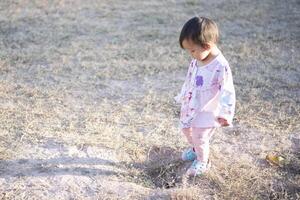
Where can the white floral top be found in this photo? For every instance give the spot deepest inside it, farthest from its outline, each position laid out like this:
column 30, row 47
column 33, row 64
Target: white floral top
column 207, row 93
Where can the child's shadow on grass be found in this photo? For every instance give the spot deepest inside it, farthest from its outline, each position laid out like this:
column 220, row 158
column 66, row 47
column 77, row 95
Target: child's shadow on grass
column 57, row 166
column 164, row 167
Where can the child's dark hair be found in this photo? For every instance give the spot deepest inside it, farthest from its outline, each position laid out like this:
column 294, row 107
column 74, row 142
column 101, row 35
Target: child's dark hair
column 199, row 30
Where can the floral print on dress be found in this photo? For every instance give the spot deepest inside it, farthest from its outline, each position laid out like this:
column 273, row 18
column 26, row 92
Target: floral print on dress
column 199, row 80
column 215, row 95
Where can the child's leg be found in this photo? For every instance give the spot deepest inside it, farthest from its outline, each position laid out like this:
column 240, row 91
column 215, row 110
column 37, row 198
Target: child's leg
column 201, row 137
column 188, row 134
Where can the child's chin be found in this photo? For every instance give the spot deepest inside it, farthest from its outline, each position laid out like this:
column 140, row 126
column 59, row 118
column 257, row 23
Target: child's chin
column 201, row 59
column 205, row 58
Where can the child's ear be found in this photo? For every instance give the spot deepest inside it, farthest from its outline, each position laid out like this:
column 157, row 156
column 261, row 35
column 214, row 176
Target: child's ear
column 206, row 46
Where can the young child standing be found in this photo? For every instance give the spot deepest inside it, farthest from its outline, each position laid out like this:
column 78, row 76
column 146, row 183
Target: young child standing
column 207, row 96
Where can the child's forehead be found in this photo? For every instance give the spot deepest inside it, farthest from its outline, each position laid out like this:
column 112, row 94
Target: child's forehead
column 189, row 44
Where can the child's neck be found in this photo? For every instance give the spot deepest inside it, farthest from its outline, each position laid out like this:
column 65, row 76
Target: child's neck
column 214, row 52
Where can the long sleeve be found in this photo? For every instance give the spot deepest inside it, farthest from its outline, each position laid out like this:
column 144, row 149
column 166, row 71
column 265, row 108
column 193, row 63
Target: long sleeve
column 187, row 98
column 190, row 110
column 180, row 96
column 227, row 95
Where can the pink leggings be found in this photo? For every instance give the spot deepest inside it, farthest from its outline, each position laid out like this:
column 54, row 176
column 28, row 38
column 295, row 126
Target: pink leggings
column 199, row 139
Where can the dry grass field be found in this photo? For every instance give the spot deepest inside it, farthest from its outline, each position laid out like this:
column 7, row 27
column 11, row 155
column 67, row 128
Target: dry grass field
column 87, row 109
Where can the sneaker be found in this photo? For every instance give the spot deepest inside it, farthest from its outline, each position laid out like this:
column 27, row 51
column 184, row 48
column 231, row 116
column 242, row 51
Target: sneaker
column 189, row 155
column 198, row 168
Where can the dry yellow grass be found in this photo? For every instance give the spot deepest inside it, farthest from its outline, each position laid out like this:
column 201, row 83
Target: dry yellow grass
column 87, row 110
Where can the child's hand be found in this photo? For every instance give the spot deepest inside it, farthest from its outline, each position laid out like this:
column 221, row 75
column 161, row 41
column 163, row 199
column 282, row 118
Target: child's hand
column 223, row 121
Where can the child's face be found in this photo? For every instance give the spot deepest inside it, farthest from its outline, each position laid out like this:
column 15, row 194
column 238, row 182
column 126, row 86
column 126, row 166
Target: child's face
column 198, row 52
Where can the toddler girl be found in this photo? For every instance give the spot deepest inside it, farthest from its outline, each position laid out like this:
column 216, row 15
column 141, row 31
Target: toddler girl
column 207, row 96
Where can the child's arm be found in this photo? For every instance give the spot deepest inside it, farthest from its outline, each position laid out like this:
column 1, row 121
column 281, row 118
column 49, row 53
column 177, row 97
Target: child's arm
column 227, row 97
column 179, row 96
